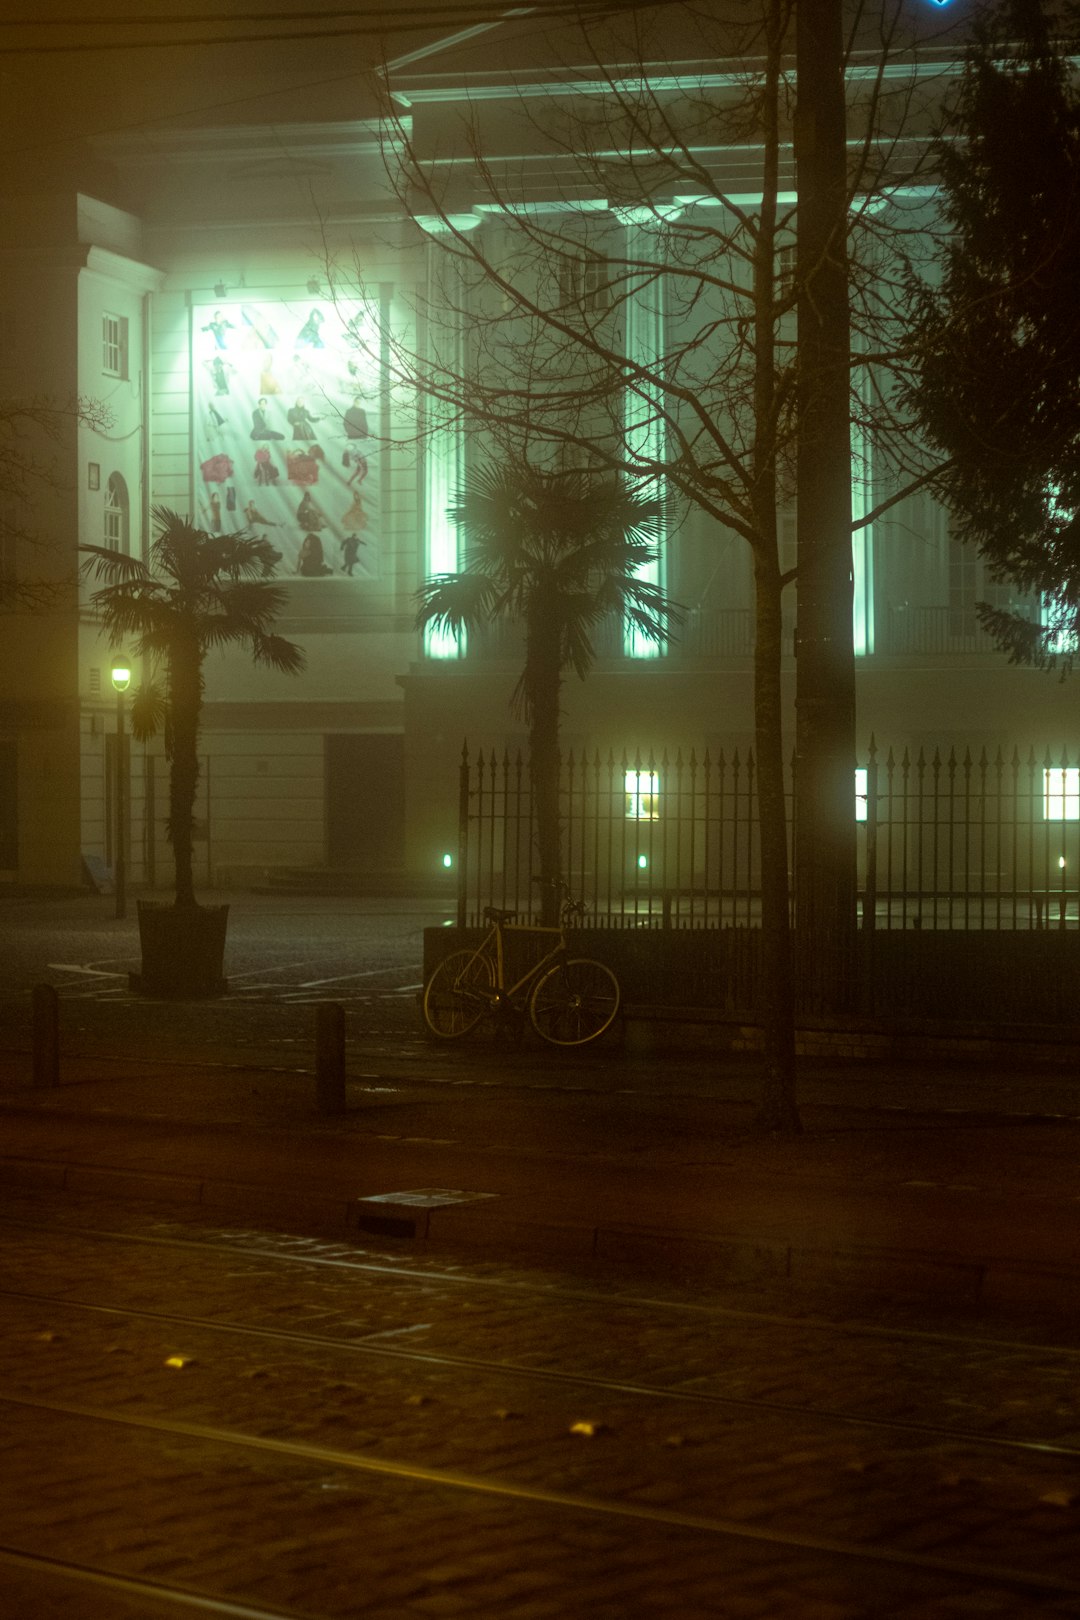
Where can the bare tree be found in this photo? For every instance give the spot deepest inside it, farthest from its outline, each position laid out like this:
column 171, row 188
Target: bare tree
column 34, row 570
column 634, row 306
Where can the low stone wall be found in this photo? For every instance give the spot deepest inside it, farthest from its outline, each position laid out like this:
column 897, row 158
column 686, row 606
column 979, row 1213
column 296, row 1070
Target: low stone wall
column 988, row 979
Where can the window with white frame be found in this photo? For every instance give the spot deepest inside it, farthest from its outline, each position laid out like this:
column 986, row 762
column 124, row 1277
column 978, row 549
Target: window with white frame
column 1061, row 793
column 114, row 345
column 862, row 793
column 584, row 280
column 642, row 796
column 117, row 511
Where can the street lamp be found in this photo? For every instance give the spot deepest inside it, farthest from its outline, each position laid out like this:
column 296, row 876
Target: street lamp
column 121, row 679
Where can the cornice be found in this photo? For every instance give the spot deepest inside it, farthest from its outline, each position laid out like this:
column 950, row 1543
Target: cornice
column 143, row 277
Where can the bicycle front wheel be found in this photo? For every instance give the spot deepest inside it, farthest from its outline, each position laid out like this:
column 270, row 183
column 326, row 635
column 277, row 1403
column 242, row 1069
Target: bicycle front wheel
column 574, row 1002
column 458, row 994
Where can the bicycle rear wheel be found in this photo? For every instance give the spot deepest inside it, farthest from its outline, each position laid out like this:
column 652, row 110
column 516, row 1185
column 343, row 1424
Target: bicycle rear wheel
column 458, row 994
column 574, row 1002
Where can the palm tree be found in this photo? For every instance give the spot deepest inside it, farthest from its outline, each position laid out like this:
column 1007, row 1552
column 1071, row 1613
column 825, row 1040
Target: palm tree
column 560, row 552
column 197, row 592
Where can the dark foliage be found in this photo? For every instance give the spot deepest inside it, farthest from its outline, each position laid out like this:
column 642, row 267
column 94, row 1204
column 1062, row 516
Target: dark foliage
column 997, row 364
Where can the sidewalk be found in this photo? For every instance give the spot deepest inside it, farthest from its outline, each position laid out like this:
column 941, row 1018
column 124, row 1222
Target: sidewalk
column 960, row 1186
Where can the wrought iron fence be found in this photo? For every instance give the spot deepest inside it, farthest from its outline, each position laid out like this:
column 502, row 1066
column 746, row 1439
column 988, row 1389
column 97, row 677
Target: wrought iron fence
column 945, row 840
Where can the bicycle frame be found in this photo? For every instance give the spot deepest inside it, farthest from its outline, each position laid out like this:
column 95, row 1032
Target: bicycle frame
column 568, row 1000
column 492, row 948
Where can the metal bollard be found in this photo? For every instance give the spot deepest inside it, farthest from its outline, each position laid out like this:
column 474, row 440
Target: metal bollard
column 46, row 1006
column 330, row 1057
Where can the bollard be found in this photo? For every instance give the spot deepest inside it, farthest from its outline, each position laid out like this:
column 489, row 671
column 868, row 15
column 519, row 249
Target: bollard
column 330, row 1057
column 46, row 1005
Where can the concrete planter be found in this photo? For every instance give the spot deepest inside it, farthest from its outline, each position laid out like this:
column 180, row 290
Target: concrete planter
column 183, row 950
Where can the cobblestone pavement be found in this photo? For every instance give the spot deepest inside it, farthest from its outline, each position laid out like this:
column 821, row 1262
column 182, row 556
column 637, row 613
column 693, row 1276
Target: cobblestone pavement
column 324, row 1430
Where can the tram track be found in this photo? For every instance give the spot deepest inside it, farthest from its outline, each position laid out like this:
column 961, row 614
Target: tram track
column 430, row 1277
column 557, row 1376
column 442, row 1461
column 267, row 1247
column 534, row 1495
column 176, row 1597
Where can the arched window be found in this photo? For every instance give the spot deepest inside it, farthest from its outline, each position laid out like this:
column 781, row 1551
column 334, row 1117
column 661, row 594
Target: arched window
column 117, row 515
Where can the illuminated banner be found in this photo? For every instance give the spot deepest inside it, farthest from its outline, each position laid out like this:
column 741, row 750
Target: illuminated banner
column 287, row 401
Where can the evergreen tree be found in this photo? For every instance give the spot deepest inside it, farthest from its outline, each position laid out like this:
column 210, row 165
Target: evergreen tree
column 996, row 384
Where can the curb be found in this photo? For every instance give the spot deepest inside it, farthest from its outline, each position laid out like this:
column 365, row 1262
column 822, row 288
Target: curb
column 904, row 1276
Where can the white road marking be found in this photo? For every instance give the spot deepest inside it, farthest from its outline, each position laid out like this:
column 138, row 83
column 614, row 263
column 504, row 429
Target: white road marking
column 340, row 978
column 76, row 967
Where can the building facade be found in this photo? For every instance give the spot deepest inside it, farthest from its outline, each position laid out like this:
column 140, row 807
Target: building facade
column 241, row 302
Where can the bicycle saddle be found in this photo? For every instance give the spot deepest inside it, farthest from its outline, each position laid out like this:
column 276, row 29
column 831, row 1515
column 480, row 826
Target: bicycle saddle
column 493, row 914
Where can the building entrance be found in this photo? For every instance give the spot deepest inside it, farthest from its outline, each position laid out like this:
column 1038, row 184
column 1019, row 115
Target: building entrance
column 365, row 801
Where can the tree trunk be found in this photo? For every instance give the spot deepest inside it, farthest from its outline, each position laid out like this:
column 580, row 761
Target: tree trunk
column 543, row 685
column 825, row 869
column 185, row 690
column 777, row 1111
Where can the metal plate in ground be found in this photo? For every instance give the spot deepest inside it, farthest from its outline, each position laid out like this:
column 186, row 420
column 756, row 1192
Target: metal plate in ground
column 428, row 1197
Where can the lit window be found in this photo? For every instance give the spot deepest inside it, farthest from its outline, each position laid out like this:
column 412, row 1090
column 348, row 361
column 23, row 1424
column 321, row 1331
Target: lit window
column 862, row 793
column 642, row 796
column 1061, row 793
column 114, row 344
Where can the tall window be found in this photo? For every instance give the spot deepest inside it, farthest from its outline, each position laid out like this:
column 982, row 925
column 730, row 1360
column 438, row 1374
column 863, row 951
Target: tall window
column 117, row 534
column 1061, row 793
column 642, row 796
column 584, row 280
column 114, row 345
column 644, row 419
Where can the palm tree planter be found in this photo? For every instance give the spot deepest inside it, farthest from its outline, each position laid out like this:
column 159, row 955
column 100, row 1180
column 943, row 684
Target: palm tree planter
column 561, row 552
column 197, row 592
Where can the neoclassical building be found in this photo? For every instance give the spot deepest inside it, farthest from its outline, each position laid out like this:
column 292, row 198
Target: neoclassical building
column 239, row 298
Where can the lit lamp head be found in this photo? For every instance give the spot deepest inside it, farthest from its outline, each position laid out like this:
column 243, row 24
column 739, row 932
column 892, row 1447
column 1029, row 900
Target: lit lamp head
column 121, row 674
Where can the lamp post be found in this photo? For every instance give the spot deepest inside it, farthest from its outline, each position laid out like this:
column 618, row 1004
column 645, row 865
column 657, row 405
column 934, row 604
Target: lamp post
column 121, row 679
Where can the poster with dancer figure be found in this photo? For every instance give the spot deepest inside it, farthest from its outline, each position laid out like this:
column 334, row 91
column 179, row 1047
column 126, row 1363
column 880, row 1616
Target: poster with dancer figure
column 286, row 398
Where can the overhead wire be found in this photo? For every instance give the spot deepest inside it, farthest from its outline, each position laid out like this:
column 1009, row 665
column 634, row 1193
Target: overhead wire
column 406, row 20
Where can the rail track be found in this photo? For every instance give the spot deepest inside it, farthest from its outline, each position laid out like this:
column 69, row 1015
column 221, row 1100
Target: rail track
column 1036, row 1585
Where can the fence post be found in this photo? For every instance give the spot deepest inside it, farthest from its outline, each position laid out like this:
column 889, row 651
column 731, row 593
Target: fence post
column 46, row 1014
column 330, row 1057
column 463, row 835
column 869, row 916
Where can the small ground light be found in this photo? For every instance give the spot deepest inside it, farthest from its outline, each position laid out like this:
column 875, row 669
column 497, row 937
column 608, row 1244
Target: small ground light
column 448, row 861
column 1061, row 862
column 643, row 861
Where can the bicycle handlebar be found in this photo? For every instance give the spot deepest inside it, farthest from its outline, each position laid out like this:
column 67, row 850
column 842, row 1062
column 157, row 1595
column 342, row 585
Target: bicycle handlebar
column 568, row 907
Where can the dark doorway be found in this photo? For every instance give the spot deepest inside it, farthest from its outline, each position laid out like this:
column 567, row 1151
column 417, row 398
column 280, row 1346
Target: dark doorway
column 365, row 802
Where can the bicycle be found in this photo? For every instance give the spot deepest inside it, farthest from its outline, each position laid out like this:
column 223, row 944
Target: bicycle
column 569, row 999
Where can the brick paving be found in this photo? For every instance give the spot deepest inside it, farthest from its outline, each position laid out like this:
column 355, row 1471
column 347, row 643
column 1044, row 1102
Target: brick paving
column 283, row 1531
column 627, row 1198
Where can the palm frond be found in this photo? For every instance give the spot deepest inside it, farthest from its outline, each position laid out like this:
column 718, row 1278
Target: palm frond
column 148, row 709
column 456, row 602
column 284, row 656
column 114, row 566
